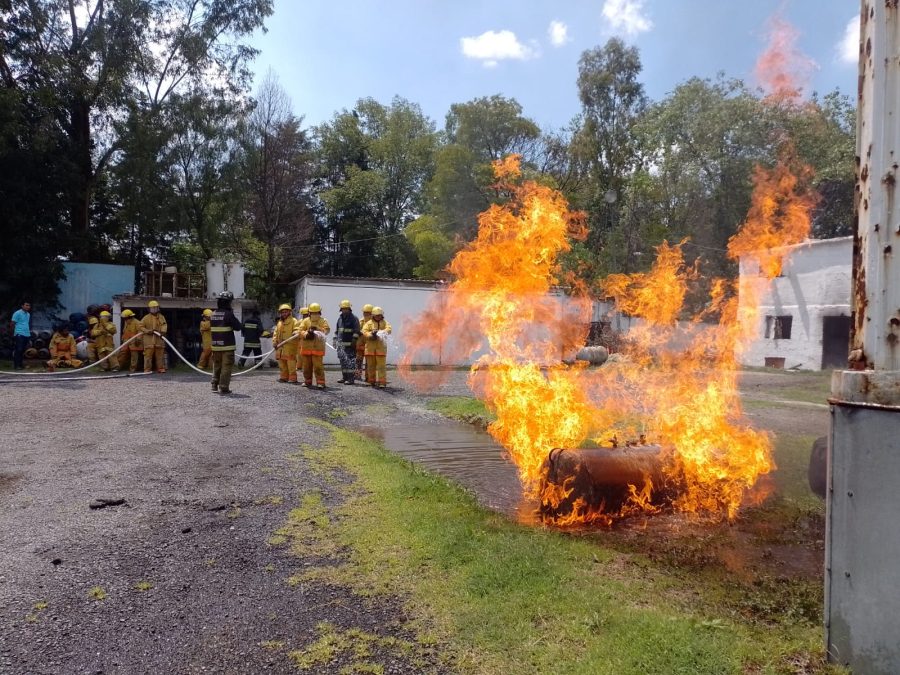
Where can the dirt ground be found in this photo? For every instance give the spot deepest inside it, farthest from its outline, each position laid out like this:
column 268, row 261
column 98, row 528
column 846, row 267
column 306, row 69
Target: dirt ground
column 179, row 577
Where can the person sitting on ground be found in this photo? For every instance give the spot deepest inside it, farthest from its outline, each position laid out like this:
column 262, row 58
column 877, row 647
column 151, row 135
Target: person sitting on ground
column 62, row 350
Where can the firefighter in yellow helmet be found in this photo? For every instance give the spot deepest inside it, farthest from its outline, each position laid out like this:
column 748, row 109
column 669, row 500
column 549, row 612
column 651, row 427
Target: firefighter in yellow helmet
column 131, row 354
column 313, row 330
column 302, row 313
column 154, row 347
column 374, row 332
column 205, row 339
column 62, row 350
column 103, row 340
column 92, row 332
column 361, row 362
column 286, row 328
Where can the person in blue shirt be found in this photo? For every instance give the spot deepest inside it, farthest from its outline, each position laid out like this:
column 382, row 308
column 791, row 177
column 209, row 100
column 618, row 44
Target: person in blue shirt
column 20, row 327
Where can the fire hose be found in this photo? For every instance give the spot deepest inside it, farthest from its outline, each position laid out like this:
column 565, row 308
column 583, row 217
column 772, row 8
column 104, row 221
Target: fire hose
column 68, row 373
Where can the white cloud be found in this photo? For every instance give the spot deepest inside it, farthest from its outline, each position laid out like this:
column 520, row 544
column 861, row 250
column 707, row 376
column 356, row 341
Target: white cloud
column 491, row 47
column 627, row 16
column 559, row 33
column 848, row 47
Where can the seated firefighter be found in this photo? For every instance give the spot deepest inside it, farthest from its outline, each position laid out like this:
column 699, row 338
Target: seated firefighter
column 62, row 350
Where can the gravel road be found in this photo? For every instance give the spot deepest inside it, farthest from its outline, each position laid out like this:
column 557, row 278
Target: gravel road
column 205, row 481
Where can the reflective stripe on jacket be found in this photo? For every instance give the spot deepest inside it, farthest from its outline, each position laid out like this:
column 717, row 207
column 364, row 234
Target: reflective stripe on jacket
column 154, row 322
column 251, row 331
column 131, row 328
column 378, row 346
column 347, row 330
column 223, row 325
column 283, row 330
column 316, row 345
column 62, row 345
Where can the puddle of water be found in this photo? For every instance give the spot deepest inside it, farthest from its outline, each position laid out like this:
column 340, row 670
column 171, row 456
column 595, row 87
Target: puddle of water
column 465, row 455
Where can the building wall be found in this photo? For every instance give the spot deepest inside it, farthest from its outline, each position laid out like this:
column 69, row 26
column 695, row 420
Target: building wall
column 403, row 302
column 88, row 284
column 815, row 283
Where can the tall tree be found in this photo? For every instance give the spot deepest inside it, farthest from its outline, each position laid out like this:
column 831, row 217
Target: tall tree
column 374, row 162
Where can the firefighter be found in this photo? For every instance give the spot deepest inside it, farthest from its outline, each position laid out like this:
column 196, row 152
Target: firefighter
column 154, row 347
column 206, row 339
column 103, row 336
column 130, row 356
column 286, row 328
column 313, row 330
column 62, row 350
column 252, row 331
column 375, row 331
column 93, row 332
column 302, row 313
column 346, row 335
column 224, row 324
column 361, row 362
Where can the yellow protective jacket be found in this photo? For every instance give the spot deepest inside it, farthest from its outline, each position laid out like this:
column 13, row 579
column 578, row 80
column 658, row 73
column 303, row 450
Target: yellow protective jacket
column 316, row 345
column 131, row 328
column 283, row 330
column 94, row 332
column 62, row 346
column 376, row 346
column 206, row 333
column 150, row 323
column 103, row 335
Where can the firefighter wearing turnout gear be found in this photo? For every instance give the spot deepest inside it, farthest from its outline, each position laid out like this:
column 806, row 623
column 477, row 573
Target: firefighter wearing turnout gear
column 224, row 324
column 92, row 333
column 252, row 331
column 346, row 335
column 313, row 330
column 374, row 332
column 206, row 339
column 62, row 350
column 361, row 362
column 103, row 340
column 130, row 355
column 286, row 355
column 154, row 347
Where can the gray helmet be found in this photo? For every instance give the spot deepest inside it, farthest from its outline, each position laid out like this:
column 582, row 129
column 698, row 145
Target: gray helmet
column 226, row 295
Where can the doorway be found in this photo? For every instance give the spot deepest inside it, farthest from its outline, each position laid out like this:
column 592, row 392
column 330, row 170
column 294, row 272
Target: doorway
column 835, row 341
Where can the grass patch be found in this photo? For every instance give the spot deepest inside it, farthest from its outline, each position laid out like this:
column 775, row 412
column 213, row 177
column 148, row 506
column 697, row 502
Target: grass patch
column 97, row 593
column 499, row 597
column 352, row 648
column 143, row 586
column 463, row 408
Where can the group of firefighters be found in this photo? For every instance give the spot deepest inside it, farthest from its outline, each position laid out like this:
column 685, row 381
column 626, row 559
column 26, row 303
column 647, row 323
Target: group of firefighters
column 300, row 343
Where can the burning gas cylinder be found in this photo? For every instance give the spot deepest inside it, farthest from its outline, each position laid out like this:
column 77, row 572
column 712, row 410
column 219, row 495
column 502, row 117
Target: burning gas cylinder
column 601, row 480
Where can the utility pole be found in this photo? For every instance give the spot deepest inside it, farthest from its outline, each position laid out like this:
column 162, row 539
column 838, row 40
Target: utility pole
column 862, row 539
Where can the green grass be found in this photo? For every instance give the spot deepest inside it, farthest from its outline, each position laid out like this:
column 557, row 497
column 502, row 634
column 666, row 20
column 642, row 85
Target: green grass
column 503, row 598
column 463, row 408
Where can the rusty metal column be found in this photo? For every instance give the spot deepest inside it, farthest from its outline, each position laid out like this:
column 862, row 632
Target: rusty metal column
column 862, row 539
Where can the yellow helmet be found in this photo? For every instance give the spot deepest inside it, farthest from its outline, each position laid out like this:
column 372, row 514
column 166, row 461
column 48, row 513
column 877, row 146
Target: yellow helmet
column 105, row 314
column 127, row 314
column 315, row 307
column 207, row 312
column 304, row 311
column 345, row 304
column 377, row 311
column 284, row 306
column 153, row 303
column 92, row 320
column 367, row 308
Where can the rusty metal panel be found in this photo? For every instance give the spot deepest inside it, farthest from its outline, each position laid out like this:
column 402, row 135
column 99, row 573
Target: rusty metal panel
column 862, row 561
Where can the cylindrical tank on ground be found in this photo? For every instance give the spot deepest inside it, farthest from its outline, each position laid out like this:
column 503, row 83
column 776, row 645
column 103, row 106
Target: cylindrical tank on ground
column 215, row 278
column 234, row 278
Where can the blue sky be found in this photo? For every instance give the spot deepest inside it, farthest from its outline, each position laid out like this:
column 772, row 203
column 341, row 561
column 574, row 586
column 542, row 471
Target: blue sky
column 328, row 54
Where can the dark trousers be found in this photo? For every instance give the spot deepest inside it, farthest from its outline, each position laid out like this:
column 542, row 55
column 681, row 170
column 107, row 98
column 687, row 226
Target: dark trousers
column 347, row 357
column 21, row 344
column 250, row 351
column 222, row 362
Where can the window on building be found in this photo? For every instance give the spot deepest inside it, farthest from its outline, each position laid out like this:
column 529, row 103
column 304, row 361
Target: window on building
column 779, row 327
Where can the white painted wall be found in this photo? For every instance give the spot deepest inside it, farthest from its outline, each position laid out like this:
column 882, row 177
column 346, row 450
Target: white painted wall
column 815, row 283
column 402, row 301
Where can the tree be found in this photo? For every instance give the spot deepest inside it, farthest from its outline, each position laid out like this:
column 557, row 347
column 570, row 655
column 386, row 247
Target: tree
column 278, row 173
column 374, row 162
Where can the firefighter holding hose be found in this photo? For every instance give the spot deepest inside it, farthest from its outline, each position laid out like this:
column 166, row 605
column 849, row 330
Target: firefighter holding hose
column 103, row 340
column 361, row 362
column 223, row 325
column 154, row 347
column 346, row 336
column 375, row 331
column 130, row 356
column 313, row 330
column 286, row 355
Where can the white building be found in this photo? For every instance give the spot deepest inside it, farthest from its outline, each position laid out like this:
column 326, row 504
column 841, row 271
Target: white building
column 804, row 314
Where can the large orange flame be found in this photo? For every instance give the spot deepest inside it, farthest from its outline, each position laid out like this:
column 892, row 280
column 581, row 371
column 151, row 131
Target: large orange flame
column 675, row 384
